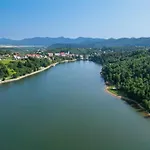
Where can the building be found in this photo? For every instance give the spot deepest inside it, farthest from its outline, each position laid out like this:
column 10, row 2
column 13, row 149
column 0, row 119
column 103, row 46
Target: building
column 81, row 57
column 71, row 55
column 50, row 54
column 17, row 57
column 57, row 54
column 34, row 55
column 25, row 57
column 62, row 54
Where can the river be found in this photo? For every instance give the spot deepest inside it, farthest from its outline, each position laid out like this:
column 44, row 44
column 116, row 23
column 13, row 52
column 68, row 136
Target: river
column 67, row 108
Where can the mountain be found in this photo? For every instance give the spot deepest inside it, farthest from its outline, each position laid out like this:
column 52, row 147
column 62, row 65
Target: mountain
column 78, row 42
column 47, row 41
column 5, row 41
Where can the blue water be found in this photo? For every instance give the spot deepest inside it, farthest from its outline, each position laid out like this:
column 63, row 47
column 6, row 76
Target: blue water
column 67, row 108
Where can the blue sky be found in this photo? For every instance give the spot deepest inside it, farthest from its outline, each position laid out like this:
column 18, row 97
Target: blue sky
column 74, row 18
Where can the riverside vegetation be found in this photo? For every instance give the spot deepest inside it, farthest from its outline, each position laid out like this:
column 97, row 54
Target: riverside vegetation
column 127, row 74
column 11, row 69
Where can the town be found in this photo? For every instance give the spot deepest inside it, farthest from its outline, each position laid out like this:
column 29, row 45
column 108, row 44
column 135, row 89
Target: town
column 19, row 63
column 42, row 54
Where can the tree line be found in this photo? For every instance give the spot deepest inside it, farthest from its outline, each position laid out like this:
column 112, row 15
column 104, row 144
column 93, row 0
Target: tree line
column 18, row 68
column 129, row 72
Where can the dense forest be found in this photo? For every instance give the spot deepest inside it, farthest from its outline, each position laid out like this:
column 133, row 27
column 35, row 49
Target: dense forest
column 14, row 69
column 129, row 72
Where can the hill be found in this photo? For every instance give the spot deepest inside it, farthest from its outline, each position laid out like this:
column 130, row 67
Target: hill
column 78, row 42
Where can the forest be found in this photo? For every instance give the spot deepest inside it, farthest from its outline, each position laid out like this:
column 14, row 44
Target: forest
column 13, row 69
column 129, row 72
column 80, row 51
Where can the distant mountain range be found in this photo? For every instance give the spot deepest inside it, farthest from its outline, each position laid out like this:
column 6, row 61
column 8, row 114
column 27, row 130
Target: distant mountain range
column 78, row 42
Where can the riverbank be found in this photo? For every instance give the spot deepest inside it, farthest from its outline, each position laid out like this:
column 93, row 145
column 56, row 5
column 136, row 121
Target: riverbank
column 131, row 102
column 33, row 73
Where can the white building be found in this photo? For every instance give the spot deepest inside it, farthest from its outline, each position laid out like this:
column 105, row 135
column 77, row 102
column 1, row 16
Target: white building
column 81, row 57
column 17, row 57
column 50, row 54
column 57, row 54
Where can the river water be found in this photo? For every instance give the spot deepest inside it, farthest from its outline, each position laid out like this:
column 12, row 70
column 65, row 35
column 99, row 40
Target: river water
column 67, row 108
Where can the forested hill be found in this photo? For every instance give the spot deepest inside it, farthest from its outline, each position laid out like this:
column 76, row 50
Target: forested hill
column 78, row 42
column 129, row 72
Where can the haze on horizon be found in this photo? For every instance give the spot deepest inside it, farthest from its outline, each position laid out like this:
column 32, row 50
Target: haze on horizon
column 79, row 18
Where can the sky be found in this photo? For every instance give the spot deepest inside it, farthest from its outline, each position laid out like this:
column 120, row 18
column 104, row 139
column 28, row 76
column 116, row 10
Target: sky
column 74, row 18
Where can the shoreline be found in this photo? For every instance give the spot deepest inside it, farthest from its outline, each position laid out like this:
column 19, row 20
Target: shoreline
column 126, row 99
column 35, row 72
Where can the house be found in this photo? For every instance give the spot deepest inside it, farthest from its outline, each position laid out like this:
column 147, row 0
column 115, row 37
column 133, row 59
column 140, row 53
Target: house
column 17, row 57
column 34, row 55
column 71, row 55
column 28, row 55
column 25, row 57
column 57, row 54
column 81, row 57
column 62, row 54
column 7, row 55
column 50, row 54
column 37, row 56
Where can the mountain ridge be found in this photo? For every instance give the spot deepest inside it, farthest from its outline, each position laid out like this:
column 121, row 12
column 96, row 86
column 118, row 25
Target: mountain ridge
column 79, row 42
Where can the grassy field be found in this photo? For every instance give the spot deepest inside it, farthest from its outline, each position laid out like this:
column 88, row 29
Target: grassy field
column 6, row 61
column 115, row 91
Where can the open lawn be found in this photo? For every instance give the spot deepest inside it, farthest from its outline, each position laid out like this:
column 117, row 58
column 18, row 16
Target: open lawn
column 115, row 91
column 6, row 61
